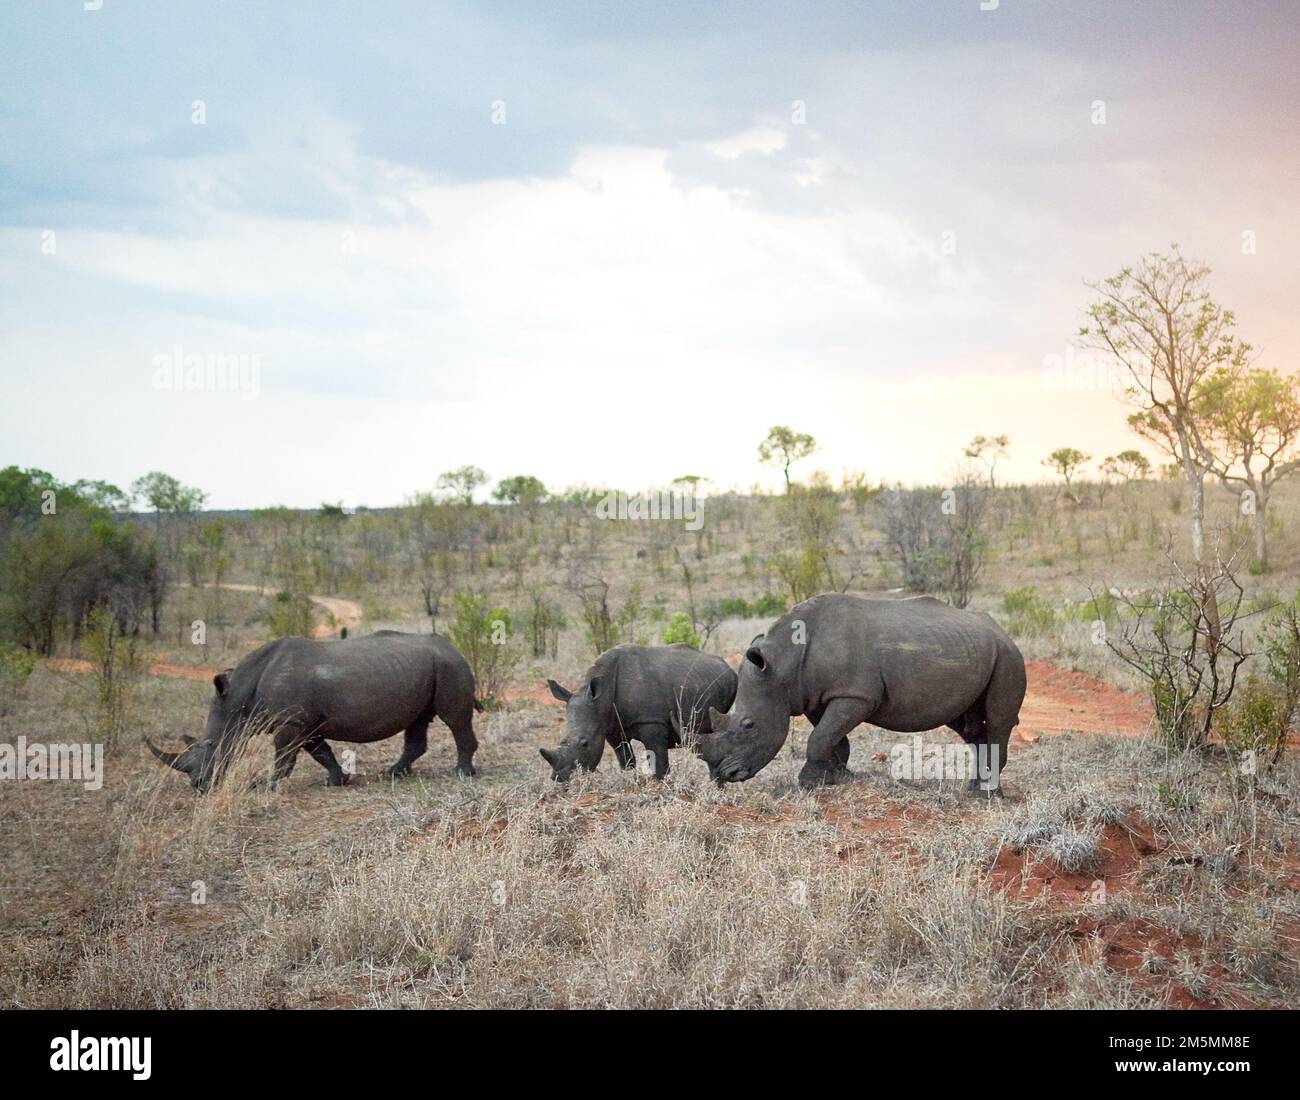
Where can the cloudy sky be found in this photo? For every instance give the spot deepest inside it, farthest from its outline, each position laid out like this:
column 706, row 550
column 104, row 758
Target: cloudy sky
column 610, row 244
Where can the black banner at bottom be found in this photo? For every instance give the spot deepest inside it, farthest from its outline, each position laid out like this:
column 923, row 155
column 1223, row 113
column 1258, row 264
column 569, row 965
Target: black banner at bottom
column 334, row 1048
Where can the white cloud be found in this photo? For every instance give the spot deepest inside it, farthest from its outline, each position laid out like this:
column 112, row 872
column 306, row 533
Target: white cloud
column 764, row 140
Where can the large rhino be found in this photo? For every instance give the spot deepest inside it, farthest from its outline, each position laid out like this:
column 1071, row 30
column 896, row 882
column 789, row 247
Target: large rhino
column 650, row 694
column 357, row 690
column 904, row 665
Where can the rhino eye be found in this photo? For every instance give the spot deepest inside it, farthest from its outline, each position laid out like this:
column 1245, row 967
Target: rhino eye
column 747, row 724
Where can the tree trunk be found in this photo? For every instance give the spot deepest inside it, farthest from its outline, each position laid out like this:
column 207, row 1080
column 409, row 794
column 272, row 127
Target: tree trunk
column 1261, row 530
column 1196, row 478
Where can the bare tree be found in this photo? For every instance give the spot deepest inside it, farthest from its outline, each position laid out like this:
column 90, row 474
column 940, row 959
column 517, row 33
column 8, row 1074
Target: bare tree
column 988, row 450
column 1183, row 639
column 940, row 538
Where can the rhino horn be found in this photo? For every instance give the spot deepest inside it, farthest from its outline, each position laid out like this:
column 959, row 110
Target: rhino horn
column 550, row 757
column 169, row 758
column 188, row 739
column 717, row 720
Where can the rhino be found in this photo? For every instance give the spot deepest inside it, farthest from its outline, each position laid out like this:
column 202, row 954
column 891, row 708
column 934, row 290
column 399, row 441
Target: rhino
column 904, row 665
column 312, row 691
column 651, row 694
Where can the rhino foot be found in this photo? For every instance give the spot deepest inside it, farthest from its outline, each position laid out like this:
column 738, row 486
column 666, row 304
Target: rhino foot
column 460, row 771
column 342, row 779
column 816, row 775
column 398, row 771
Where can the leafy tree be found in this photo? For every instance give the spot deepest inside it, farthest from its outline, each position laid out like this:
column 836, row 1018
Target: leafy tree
column 104, row 495
column 164, row 494
column 1126, row 466
column 1066, row 462
column 1168, row 336
column 988, row 450
column 462, row 482
column 1251, row 420
column 59, row 564
column 521, row 489
column 782, row 447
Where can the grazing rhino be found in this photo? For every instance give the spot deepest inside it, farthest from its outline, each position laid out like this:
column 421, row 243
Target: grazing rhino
column 640, row 693
column 904, row 665
column 358, row 690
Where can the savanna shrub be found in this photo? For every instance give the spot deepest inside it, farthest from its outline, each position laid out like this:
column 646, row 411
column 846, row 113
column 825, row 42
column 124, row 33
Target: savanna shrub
column 290, row 615
column 679, row 629
column 1256, row 720
column 1027, row 612
column 485, row 636
column 16, row 665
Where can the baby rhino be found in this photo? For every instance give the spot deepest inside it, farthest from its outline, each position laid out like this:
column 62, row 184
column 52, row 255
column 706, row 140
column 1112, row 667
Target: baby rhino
column 640, row 693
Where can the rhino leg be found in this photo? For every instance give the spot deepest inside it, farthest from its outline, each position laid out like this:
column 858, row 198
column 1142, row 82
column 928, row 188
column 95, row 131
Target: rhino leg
column 287, row 743
column 417, row 741
column 828, row 744
column 461, row 723
column 320, row 751
column 622, row 749
column 842, row 754
column 655, row 739
column 1006, row 692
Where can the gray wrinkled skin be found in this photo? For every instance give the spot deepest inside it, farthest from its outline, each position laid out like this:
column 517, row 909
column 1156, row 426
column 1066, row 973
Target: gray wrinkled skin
column 903, row 665
column 312, row 691
column 651, row 694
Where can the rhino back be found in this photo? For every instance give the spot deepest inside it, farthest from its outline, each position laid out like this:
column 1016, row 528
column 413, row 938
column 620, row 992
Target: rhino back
column 669, row 684
column 925, row 661
column 358, row 689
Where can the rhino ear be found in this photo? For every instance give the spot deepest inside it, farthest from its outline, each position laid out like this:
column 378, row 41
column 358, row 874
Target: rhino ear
column 595, row 686
column 563, row 694
column 755, row 657
column 221, row 681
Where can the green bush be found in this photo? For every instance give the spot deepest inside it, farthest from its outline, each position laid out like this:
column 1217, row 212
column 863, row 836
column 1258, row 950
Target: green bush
column 733, row 607
column 1027, row 612
column 1257, row 719
column 16, row 665
column 290, row 615
column 1103, row 608
column 485, row 636
column 765, row 606
column 679, row 629
column 117, row 674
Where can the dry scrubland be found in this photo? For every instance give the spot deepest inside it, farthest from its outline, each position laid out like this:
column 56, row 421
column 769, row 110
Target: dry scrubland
column 1113, row 874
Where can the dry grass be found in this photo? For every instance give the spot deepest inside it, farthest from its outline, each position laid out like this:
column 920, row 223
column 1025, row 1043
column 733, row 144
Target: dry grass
column 513, row 892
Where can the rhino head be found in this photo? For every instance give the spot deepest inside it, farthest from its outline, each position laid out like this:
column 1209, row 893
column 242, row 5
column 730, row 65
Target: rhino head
column 584, row 728
column 203, row 759
column 744, row 742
